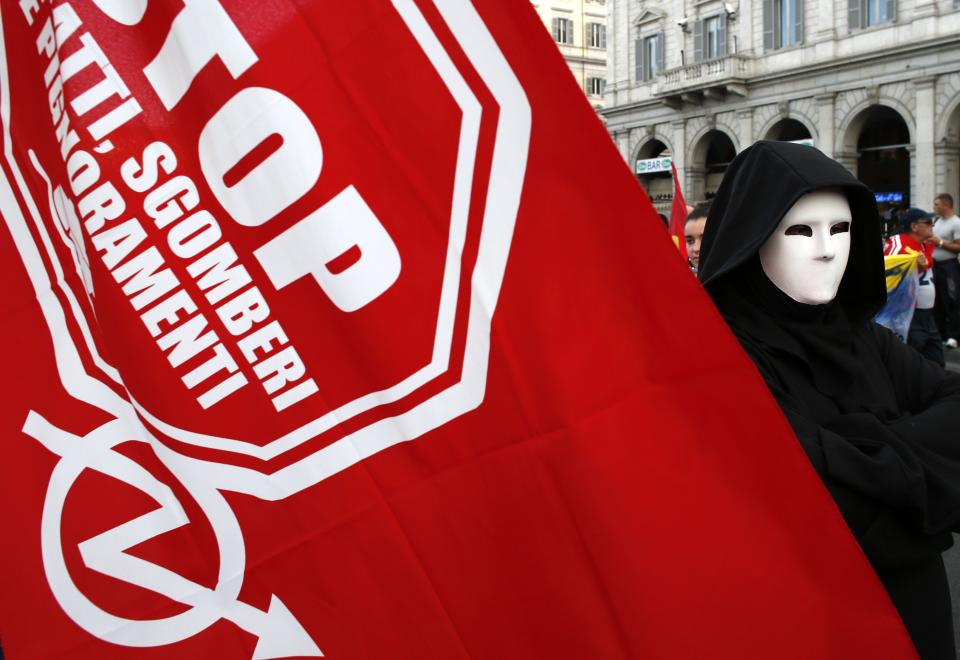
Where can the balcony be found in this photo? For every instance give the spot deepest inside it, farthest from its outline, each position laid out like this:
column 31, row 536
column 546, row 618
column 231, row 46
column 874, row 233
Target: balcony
column 712, row 79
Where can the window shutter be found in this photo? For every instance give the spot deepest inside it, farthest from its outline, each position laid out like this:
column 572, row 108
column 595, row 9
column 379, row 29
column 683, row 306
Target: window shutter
column 638, row 64
column 603, row 35
column 661, row 65
column 768, row 23
column 554, row 25
column 698, row 41
column 722, row 36
column 854, row 15
column 891, row 10
column 798, row 21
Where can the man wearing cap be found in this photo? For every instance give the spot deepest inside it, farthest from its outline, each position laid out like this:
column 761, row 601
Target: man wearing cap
column 917, row 237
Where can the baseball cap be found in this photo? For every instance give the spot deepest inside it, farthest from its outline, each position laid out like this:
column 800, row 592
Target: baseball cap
column 912, row 215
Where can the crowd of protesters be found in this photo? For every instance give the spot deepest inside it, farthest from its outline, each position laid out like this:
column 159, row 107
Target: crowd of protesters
column 916, row 237
column 935, row 237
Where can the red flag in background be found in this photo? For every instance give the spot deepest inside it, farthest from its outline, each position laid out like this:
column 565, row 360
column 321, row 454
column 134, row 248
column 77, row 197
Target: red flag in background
column 678, row 214
column 321, row 340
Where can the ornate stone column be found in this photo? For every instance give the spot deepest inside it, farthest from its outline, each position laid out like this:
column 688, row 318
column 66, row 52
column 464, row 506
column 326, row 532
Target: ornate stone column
column 745, row 127
column 924, row 8
column 680, row 152
column 923, row 163
column 948, row 169
column 826, row 123
column 618, row 49
column 744, row 29
column 847, row 159
column 622, row 139
column 825, row 19
column 696, row 186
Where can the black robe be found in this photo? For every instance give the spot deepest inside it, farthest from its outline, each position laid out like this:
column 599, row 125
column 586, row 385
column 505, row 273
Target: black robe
column 877, row 421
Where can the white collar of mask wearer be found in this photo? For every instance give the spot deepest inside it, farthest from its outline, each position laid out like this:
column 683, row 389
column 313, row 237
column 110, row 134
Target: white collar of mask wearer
column 807, row 254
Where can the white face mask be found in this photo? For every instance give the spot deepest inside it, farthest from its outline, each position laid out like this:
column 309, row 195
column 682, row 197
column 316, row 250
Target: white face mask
column 807, row 254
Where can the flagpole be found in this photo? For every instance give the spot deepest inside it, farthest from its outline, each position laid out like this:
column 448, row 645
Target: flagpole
column 678, row 214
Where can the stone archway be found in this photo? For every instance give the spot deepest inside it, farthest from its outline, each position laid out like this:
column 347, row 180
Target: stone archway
column 877, row 146
column 850, row 128
column 947, row 152
column 789, row 129
column 656, row 181
column 712, row 154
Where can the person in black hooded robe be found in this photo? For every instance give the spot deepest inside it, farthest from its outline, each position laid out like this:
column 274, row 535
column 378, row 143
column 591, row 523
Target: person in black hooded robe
column 876, row 419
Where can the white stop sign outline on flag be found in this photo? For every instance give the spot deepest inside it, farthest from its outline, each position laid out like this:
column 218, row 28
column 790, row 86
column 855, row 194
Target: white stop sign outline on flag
column 498, row 216
column 277, row 629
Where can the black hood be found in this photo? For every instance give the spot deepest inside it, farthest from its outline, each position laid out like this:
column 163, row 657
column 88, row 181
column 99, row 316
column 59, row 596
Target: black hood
column 760, row 186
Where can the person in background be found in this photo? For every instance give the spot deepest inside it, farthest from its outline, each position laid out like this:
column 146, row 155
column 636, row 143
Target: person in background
column 693, row 229
column 891, row 219
column 946, row 269
column 917, row 237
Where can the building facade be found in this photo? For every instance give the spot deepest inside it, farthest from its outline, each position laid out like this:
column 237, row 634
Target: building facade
column 580, row 29
column 873, row 83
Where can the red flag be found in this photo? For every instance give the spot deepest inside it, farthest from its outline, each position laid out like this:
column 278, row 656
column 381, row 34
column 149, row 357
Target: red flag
column 678, row 214
column 321, row 340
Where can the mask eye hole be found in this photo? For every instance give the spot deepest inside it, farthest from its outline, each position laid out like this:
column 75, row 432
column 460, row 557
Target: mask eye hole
column 799, row 230
column 840, row 228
